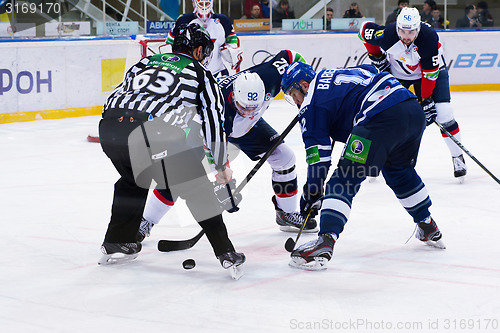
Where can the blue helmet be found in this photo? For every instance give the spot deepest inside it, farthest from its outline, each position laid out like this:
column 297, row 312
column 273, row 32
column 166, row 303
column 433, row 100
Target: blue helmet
column 294, row 73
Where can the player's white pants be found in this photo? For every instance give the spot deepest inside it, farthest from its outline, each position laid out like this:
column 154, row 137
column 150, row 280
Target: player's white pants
column 446, row 118
column 282, row 161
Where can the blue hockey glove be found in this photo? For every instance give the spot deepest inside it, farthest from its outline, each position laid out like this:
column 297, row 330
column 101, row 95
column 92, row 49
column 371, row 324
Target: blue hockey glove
column 310, row 202
column 429, row 108
column 225, row 194
column 381, row 62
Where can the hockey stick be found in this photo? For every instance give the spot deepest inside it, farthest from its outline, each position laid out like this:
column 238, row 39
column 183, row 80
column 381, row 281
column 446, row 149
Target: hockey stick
column 168, row 245
column 458, row 143
column 290, row 243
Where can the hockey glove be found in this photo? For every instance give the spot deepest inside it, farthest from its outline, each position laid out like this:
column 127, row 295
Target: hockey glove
column 381, row 62
column 233, row 55
column 429, row 108
column 310, row 202
column 226, row 197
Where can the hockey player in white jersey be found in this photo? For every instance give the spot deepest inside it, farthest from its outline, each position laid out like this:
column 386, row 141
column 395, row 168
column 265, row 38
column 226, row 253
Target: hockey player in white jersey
column 247, row 95
column 410, row 50
column 220, row 28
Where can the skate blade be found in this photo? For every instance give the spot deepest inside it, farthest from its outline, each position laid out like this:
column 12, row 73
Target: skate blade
column 116, row 258
column 235, row 271
column 438, row 244
column 461, row 179
column 286, row 228
column 319, row 264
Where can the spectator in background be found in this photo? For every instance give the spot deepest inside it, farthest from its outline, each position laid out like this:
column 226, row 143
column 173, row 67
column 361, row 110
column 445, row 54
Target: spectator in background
column 283, row 11
column 483, row 14
column 265, row 5
column 248, row 8
column 469, row 20
column 426, row 13
column 392, row 16
column 353, row 11
column 437, row 21
column 255, row 13
column 329, row 16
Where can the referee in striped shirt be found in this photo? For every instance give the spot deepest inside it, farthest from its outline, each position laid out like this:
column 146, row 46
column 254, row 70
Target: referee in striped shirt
column 154, row 126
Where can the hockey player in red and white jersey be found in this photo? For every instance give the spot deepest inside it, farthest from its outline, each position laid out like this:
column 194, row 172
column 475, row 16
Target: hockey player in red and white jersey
column 410, row 50
column 220, row 28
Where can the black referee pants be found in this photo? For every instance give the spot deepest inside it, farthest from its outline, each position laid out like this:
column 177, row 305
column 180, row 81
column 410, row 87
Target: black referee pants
column 127, row 139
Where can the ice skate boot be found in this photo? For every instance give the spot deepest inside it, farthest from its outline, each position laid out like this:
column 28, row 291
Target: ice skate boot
column 459, row 167
column 313, row 255
column 119, row 252
column 292, row 222
column 144, row 230
column 428, row 232
column 232, row 261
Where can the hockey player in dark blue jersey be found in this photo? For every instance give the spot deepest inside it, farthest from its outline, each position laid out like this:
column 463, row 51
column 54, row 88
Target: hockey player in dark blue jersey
column 410, row 50
column 381, row 124
column 247, row 96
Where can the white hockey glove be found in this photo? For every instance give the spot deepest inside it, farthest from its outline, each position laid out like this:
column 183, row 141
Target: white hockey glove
column 381, row 62
column 233, row 55
column 429, row 108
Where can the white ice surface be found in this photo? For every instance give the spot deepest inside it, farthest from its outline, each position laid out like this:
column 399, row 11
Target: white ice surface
column 56, row 193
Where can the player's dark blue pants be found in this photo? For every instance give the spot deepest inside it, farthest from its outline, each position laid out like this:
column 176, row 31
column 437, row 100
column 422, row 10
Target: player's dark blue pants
column 257, row 141
column 394, row 136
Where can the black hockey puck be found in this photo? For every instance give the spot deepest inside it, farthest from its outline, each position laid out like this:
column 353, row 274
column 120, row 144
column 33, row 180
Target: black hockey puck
column 188, row 264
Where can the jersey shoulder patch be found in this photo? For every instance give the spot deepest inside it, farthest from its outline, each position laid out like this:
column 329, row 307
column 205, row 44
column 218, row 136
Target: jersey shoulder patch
column 225, row 22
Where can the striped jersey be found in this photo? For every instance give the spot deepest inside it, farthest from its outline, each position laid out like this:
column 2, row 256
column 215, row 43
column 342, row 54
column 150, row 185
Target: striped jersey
column 174, row 84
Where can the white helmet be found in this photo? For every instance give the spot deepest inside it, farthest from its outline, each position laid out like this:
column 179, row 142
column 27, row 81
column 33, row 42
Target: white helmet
column 408, row 25
column 203, row 9
column 249, row 94
column 408, row 19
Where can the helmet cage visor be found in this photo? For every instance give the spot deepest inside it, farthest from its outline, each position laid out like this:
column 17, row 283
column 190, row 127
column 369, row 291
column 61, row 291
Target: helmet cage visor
column 203, row 9
column 246, row 112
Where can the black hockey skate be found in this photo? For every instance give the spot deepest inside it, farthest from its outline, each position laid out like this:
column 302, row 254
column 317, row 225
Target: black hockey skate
column 292, row 222
column 313, row 255
column 232, row 261
column 144, row 230
column 119, row 252
column 459, row 167
column 428, row 232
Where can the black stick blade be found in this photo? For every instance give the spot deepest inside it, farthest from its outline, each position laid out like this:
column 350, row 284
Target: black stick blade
column 178, row 245
column 289, row 244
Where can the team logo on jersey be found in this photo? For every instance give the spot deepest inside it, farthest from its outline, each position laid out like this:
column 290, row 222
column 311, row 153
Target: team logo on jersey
column 379, row 94
column 357, row 149
column 268, row 97
column 170, row 58
column 412, row 67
